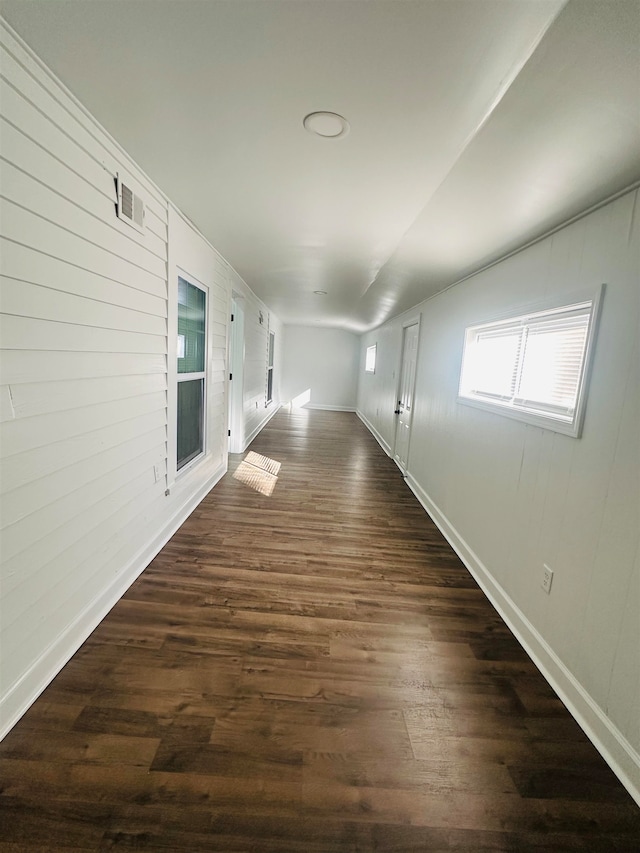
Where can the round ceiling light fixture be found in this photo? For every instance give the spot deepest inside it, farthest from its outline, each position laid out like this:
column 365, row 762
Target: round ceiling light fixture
column 327, row 125
column 320, row 292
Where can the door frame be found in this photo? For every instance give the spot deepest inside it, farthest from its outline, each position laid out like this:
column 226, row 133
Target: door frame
column 236, row 368
column 410, row 321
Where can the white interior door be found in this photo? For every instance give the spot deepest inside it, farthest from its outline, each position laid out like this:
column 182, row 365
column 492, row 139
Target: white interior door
column 404, row 409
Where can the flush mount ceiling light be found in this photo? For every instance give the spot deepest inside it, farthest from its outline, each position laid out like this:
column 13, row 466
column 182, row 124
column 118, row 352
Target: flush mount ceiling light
column 328, row 125
column 320, row 292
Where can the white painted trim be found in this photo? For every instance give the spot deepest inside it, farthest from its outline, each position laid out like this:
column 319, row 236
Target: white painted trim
column 235, row 366
column 26, row 690
column 326, row 408
column 260, row 427
column 374, row 432
column 172, row 357
column 616, row 750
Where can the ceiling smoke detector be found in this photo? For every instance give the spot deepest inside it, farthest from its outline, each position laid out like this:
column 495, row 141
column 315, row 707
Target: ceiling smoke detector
column 320, row 292
column 327, row 125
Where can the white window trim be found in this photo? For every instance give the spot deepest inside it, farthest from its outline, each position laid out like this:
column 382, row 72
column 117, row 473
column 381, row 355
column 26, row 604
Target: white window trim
column 545, row 420
column 185, row 377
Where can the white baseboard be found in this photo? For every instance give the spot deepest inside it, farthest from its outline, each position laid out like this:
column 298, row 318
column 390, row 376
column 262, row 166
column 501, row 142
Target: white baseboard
column 616, row 750
column 328, row 408
column 260, row 427
column 26, row 690
column 374, row 432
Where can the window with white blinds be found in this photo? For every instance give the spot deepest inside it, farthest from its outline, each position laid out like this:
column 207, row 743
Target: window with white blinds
column 532, row 367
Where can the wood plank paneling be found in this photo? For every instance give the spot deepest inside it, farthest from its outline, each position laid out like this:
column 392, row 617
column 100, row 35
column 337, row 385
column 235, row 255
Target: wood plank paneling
column 30, row 265
column 84, row 372
column 31, row 162
column 24, row 332
column 36, row 125
column 30, row 433
column 52, row 557
column 18, row 537
column 7, row 412
column 54, row 595
column 310, row 671
column 27, row 499
column 96, row 223
column 38, row 398
column 23, row 299
column 25, row 366
column 38, row 233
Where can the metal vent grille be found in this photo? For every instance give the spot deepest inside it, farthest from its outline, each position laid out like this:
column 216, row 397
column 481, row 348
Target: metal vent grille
column 130, row 207
column 127, row 202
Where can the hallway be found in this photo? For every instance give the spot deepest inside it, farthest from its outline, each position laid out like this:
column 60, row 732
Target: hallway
column 306, row 666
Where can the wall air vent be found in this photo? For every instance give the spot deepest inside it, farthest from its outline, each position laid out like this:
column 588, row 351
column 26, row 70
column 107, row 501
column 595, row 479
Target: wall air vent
column 130, row 207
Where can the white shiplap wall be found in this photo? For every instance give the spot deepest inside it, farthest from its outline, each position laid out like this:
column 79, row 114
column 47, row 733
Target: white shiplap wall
column 87, row 375
column 511, row 497
column 83, row 373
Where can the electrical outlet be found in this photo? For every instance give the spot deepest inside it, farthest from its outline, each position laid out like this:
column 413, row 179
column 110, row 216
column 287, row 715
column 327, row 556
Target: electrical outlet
column 547, row 578
column 156, row 472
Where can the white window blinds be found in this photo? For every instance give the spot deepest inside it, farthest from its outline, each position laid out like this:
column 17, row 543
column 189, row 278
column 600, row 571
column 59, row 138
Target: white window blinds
column 492, row 369
column 552, row 361
column 533, row 366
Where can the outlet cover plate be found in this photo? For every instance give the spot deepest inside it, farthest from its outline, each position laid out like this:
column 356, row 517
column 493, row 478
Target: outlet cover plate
column 547, row 578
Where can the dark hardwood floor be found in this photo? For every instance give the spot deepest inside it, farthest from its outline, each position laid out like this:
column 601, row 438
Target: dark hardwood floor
column 312, row 671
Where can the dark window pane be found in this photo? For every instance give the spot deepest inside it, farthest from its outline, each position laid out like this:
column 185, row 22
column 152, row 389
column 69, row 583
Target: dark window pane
column 191, row 327
column 190, row 420
column 270, row 385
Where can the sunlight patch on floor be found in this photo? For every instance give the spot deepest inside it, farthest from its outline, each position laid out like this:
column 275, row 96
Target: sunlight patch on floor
column 269, row 465
column 258, row 472
column 301, row 400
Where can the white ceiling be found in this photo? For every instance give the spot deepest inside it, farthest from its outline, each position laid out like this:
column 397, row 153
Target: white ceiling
column 476, row 125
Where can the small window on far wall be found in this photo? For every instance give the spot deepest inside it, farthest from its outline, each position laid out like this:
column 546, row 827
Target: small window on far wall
column 192, row 314
column 370, row 359
column 533, row 367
